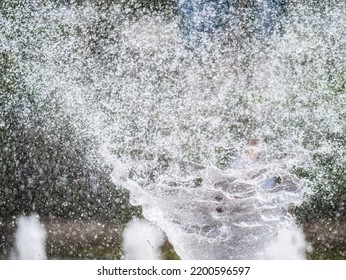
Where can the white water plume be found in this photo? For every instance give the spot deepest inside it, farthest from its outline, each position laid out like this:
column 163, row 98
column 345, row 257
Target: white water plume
column 142, row 240
column 30, row 239
column 289, row 244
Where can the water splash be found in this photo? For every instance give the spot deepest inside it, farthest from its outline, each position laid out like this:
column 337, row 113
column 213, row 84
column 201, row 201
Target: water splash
column 142, row 240
column 289, row 244
column 30, row 239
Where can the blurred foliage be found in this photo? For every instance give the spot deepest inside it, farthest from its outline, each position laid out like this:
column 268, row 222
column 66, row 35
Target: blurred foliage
column 167, row 252
column 327, row 202
column 130, row 7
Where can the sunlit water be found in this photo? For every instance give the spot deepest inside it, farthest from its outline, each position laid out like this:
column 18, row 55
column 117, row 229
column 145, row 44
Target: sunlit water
column 173, row 125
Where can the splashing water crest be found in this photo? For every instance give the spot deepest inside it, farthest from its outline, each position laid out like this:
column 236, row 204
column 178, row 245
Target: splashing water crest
column 173, row 126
